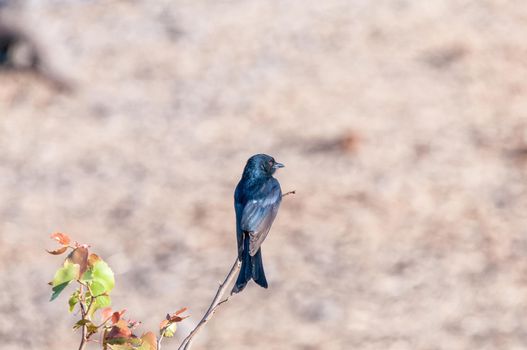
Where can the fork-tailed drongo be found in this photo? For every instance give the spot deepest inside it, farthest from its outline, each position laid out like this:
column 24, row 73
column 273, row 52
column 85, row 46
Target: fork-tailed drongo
column 256, row 201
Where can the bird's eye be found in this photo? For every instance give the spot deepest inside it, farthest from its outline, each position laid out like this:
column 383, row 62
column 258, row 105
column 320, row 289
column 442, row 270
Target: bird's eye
column 271, row 162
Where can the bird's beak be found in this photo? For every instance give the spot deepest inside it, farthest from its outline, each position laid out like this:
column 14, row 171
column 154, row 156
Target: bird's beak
column 278, row 165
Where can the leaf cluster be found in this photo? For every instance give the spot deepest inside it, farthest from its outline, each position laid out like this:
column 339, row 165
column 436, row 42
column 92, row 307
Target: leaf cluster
column 94, row 282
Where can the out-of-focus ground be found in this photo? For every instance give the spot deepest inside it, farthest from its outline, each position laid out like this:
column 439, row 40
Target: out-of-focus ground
column 403, row 126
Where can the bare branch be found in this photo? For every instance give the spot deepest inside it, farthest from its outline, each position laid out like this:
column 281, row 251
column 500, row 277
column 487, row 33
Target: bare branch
column 216, row 302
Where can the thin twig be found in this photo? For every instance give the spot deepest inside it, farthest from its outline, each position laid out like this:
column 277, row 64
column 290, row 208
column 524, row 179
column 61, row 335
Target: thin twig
column 92, row 299
column 216, row 302
column 159, row 340
column 84, row 340
column 288, row 193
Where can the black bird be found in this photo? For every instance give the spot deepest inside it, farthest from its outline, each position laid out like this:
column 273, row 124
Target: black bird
column 256, row 201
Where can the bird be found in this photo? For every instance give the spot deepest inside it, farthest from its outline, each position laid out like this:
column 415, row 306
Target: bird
column 256, row 201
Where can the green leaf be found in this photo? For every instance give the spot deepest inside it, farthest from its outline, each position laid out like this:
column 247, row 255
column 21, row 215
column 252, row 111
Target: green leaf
column 97, row 288
column 74, row 299
column 92, row 329
column 81, row 323
column 170, row 330
column 100, row 302
column 57, row 290
column 119, row 341
column 135, row 341
column 87, row 276
column 66, row 273
column 63, row 277
column 102, row 274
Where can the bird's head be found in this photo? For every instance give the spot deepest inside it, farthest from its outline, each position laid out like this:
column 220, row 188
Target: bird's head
column 261, row 165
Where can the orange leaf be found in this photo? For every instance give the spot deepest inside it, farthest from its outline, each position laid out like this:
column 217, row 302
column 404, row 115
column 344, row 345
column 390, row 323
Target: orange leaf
column 58, row 251
column 62, row 238
column 163, row 324
column 92, row 259
column 79, row 256
column 150, row 339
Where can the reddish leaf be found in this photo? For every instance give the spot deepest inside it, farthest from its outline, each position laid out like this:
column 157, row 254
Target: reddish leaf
column 116, row 316
column 180, row 311
column 106, row 313
column 119, row 330
column 62, row 238
column 79, row 256
column 175, row 317
column 170, row 321
column 58, row 251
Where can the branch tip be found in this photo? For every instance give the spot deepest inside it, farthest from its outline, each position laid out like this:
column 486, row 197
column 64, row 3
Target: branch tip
column 288, row 193
column 216, row 302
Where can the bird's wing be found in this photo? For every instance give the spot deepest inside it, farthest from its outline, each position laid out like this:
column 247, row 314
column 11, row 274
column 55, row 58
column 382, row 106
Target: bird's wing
column 258, row 214
column 238, row 207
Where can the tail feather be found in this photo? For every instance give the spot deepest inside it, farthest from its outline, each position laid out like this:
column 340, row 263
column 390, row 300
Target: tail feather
column 245, row 270
column 252, row 268
column 258, row 273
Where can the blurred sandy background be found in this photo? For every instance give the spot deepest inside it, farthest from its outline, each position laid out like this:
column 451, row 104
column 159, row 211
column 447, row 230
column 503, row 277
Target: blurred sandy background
column 403, row 126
